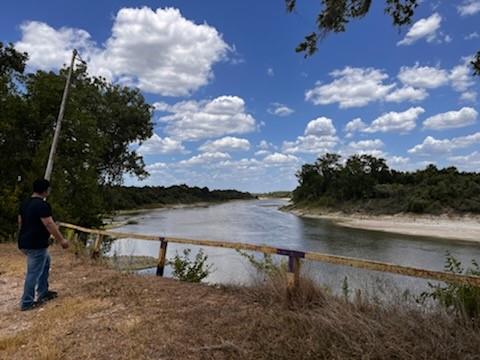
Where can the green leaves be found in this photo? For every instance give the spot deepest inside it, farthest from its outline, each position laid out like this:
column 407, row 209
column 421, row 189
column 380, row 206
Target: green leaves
column 101, row 121
column 186, row 269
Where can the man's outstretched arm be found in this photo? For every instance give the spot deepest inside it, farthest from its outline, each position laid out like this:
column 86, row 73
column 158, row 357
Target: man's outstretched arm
column 54, row 231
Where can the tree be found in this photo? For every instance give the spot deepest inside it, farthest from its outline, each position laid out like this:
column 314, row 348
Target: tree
column 336, row 14
column 101, row 121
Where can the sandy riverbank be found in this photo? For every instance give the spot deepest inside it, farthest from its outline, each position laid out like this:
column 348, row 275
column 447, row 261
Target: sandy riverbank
column 466, row 228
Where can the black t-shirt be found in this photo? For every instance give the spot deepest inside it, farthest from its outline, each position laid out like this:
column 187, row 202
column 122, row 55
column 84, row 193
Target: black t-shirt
column 33, row 234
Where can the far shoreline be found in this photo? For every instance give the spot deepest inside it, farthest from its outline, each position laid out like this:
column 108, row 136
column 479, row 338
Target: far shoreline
column 458, row 228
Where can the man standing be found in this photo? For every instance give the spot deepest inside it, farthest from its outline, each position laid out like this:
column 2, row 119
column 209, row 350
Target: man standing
column 36, row 224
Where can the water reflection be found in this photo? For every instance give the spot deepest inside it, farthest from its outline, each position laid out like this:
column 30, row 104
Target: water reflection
column 260, row 222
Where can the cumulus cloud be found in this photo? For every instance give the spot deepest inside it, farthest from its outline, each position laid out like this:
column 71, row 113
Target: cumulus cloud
column 401, row 122
column 352, row 87
column 270, row 72
column 280, row 109
column 365, row 147
column 423, row 76
column 159, row 51
column 393, row 161
column 467, row 162
column 226, row 144
column 204, row 158
column 157, row 145
column 451, row 119
column 50, row 49
column 471, row 36
column 469, row 7
column 321, row 126
column 469, row 96
column 353, row 126
column 319, row 137
column 197, row 120
column 425, row 28
column 461, row 77
column 280, row 159
column 432, row 146
column 407, row 93
column 310, row 144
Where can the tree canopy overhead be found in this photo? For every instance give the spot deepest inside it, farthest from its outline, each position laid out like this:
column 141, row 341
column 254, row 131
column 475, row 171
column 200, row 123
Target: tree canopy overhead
column 335, row 15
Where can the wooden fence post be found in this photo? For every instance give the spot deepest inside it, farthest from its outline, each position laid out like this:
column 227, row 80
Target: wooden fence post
column 162, row 256
column 96, row 246
column 293, row 275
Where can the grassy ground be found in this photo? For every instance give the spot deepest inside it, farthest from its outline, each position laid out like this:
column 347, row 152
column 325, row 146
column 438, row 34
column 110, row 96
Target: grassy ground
column 104, row 314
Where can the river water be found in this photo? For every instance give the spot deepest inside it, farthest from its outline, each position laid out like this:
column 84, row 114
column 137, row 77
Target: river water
column 260, row 222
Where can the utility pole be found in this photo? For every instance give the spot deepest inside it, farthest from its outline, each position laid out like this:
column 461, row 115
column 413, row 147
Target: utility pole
column 53, row 149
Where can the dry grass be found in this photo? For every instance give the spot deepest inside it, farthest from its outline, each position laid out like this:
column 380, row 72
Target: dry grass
column 104, row 314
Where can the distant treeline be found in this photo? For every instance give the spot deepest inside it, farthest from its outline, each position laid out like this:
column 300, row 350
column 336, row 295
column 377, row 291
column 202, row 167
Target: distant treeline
column 129, row 197
column 366, row 183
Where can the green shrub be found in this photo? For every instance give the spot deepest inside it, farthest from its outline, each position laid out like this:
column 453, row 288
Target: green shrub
column 266, row 265
column 463, row 300
column 185, row 269
column 417, row 206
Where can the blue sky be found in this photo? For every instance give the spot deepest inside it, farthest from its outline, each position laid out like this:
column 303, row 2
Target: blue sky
column 238, row 108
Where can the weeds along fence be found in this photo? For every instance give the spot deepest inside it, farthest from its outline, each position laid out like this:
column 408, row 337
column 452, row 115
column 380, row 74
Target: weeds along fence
column 294, row 257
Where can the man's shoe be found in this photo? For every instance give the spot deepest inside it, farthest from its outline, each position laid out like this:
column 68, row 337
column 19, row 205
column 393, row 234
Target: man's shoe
column 35, row 305
column 50, row 295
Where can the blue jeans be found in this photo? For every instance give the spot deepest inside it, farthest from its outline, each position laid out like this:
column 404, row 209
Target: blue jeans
column 38, row 266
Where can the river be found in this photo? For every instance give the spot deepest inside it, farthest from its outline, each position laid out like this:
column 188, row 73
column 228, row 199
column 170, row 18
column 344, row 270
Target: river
column 260, row 222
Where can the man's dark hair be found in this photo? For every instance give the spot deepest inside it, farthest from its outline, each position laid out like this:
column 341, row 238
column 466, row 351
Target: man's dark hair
column 40, row 186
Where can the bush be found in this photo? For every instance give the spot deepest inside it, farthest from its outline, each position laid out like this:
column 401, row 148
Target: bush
column 265, row 266
column 463, row 300
column 417, row 206
column 185, row 269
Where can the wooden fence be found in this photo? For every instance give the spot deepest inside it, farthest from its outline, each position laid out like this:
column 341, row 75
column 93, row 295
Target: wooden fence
column 294, row 257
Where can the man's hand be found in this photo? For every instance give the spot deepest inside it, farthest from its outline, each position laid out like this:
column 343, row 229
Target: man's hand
column 64, row 243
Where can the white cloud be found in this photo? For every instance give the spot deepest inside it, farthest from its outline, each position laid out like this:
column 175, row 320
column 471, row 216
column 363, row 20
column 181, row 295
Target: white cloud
column 451, row 119
column 352, row 87
column 423, row 76
column 157, row 167
column 432, row 146
column 461, row 77
column 158, row 145
column 280, row 159
column 469, row 7
column 469, row 96
column 370, row 147
column 260, row 153
column 321, row 126
column 367, row 144
column 401, row 122
column 280, row 109
column 270, row 72
column 264, row 145
column 319, row 137
column 397, row 161
column 310, row 144
column 159, row 51
column 196, row 120
column 471, row 36
column 407, row 93
column 467, row 162
column 353, row 126
column 205, row 158
column 225, row 144
column 423, row 28
column 50, row 49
